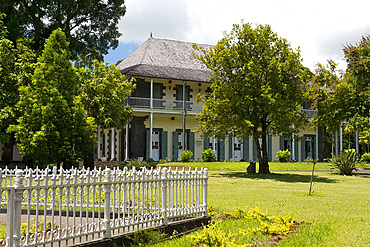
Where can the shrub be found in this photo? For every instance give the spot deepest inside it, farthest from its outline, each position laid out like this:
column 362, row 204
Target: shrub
column 33, row 226
column 345, row 162
column 185, row 155
column 208, row 155
column 283, row 156
column 164, row 161
column 365, row 158
column 138, row 163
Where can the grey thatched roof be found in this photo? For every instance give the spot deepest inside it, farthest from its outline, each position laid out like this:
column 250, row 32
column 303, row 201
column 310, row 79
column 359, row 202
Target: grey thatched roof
column 168, row 59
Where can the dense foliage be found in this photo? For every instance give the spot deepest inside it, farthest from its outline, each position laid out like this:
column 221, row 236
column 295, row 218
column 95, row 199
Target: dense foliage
column 258, row 86
column 283, row 155
column 53, row 126
column 91, row 26
column 365, row 158
column 16, row 68
column 186, row 155
column 208, row 155
column 104, row 91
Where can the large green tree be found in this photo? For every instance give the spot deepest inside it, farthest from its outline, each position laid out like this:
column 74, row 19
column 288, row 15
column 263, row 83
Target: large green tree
column 16, row 68
column 91, row 26
column 53, row 126
column 258, row 86
column 104, row 93
column 358, row 73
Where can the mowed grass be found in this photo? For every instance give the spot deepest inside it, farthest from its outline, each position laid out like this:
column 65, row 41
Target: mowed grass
column 339, row 206
column 242, row 166
column 340, row 202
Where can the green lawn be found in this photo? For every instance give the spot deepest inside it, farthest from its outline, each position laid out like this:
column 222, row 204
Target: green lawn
column 344, row 202
column 241, row 166
column 340, row 203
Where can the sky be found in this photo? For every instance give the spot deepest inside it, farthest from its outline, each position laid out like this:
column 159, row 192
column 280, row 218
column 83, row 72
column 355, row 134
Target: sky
column 319, row 28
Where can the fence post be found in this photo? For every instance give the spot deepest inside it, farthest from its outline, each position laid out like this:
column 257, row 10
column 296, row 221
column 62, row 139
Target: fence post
column 18, row 196
column 164, row 196
column 205, row 181
column 107, row 191
column 10, row 218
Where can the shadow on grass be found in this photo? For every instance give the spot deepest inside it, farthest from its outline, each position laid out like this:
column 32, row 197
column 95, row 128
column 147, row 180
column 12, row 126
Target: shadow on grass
column 285, row 177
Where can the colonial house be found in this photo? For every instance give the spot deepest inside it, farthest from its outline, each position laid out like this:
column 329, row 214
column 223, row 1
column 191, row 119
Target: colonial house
column 164, row 109
column 164, row 105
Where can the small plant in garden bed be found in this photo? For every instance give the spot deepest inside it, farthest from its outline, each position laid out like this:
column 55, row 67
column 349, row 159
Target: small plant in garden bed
column 138, row 163
column 208, row 155
column 243, row 227
column 283, row 155
column 345, row 162
column 185, row 155
column 365, row 158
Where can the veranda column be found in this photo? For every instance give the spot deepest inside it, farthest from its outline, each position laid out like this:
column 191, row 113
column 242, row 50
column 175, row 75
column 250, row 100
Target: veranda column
column 151, row 137
column 112, row 142
column 126, row 146
column 151, row 122
column 184, row 116
column 232, row 147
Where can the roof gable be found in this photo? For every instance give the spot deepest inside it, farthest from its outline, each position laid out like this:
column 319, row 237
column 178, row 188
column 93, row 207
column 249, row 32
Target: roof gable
column 169, row 59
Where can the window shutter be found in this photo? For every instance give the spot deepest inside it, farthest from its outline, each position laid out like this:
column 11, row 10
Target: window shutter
column 246, row 149
column 303, row 149
column 175, row 150
column 270, row 147
column 222, row 150
column 191, row 143
column 206, row 141
column 164, row 144
column 147, row 144
column 103, row 144
column 255, row 155
column 120, row 146
column 296, row 148
column 230, row 147
column 281, row 139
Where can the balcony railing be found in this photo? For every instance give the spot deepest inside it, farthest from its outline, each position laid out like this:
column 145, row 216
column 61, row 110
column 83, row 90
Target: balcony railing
column 309, row 113
column 136, row 102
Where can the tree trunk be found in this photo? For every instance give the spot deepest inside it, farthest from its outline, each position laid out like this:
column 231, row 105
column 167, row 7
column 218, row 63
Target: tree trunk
column 262, row 159
column 264, row 163
column 7, row 156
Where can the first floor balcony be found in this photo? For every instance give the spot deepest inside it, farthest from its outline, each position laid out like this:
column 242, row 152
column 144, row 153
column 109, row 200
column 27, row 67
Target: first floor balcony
column 136, row 102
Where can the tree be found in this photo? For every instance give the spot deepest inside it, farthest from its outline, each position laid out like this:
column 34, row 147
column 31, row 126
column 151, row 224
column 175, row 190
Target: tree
column 358, row 71
column 15, row 69
column 258, row 86
column 53, row 126
column 104, row 92
column 91, row 26
column 325, row 103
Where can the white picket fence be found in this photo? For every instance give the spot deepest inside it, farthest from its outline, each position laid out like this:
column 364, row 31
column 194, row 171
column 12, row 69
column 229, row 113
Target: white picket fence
column 78, row 205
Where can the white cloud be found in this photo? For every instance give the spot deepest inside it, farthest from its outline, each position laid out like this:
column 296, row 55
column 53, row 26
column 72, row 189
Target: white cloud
column 165, row 19
column 318, row 27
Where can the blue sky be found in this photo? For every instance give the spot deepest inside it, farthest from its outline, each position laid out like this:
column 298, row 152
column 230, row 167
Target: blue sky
column 319, row 28
column 122, row 51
